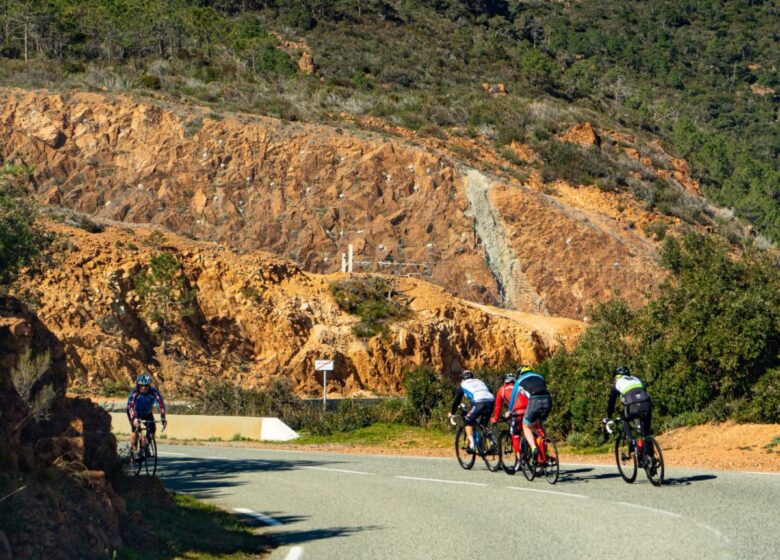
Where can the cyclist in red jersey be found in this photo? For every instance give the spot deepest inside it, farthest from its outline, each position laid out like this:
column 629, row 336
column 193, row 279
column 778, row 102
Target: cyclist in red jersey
column 504, row 394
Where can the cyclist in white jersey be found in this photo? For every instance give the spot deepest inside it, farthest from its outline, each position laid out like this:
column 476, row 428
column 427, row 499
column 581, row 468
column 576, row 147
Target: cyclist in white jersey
column 481, row 403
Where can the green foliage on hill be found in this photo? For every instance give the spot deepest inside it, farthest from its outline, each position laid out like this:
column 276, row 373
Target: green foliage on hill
column 373, row 299
column 708, row 347
column 680, row 69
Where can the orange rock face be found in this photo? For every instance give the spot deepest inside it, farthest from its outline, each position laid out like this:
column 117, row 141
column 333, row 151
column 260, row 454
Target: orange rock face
column 256, row 317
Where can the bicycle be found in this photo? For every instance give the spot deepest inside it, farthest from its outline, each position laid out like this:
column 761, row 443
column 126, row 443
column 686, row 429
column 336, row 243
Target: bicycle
column 147, row 452
column 485, row 444
column 546, row 463
column 649, row 455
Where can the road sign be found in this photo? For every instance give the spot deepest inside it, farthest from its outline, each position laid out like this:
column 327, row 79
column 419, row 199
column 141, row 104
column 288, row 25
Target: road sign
column 323, row 365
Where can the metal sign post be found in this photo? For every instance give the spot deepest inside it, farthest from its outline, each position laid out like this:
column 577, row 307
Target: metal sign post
column 324, row 366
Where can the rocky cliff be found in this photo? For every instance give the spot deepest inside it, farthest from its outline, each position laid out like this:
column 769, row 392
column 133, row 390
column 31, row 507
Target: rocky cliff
column 447, row 210
column 256, row 316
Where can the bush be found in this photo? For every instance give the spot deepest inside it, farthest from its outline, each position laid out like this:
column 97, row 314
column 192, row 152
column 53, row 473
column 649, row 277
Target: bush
column 425, row 391
column 373, row 299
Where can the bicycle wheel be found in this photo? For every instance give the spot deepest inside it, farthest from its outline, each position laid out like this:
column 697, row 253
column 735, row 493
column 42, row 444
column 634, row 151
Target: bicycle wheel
column 551, row 466
column 151, row 457
column 489, row 449
column 508, row 459
column 625, row 459
column 529, row 472
column 465, row 459
column 654, row 463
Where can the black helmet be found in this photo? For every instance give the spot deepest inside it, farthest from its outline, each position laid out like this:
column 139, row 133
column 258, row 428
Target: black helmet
column 622, row 370
column 510, row 377
column 467, row 374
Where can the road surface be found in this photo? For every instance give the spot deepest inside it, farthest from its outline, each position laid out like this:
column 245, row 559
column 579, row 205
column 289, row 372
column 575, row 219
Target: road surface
column 325, row 505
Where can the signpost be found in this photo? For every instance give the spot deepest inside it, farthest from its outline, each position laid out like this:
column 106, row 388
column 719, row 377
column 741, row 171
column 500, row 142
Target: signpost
column 324, row 366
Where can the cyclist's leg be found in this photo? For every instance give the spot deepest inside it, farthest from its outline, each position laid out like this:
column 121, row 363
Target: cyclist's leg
column 514, row 431
column 468, row 421
column 133, row 434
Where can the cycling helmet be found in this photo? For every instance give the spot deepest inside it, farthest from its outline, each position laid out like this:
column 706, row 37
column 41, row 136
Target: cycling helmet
column 143, row 379
column 523, row 369
column 622, row 370
column 510, row 377
column 467, row 374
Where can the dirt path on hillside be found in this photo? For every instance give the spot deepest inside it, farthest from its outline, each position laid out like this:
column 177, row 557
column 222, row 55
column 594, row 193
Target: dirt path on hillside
column 727, row 446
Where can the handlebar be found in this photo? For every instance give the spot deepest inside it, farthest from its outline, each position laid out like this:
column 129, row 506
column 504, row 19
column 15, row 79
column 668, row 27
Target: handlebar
column 609, row 426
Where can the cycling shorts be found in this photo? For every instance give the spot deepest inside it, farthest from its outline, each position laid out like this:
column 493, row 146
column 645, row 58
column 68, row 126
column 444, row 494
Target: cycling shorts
column 539, row 407
column 479, row 409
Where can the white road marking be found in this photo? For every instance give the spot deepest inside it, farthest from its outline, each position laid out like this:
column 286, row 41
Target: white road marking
column 441, row 480
column 763, row 472
column 171, row 453
column 547, row 492
column 295, row 553
column 335, row 470
column 712, row 530
column 259, row 516
column 219, row 458
column 661, row 511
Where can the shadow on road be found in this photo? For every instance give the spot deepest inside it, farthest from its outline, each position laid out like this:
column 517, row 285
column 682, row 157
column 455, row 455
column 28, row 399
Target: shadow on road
column 686, row 480
column 286, row 538
column 204, row 478
column 576, row 475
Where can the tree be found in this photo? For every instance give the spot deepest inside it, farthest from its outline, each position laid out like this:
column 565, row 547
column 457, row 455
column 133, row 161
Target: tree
column 165, row 292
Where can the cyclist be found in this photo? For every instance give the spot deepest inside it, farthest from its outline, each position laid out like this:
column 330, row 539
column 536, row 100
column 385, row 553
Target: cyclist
column 636, row 402
column 481, row 403
column 504, row 394
column 140, row 405
column 533, row 386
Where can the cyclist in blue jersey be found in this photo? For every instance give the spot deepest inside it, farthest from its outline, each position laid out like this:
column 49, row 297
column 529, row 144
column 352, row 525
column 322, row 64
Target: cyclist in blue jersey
column 481, row 403
column 533, row 386
column 140, row 405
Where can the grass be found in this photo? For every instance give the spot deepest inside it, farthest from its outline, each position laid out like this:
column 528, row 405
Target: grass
column 195, row 530
column 774, row 443
column 383, row 434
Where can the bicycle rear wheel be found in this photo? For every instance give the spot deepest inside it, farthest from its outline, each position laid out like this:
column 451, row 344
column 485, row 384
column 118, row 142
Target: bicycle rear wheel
column 551, row 466
column 465, row 459
column 508, row 459
column 489, row 449
column 654, row 461
column 151, row 457
column 625, row 458
column 529, row 472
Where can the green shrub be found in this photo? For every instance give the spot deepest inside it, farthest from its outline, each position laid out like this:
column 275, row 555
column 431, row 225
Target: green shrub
column 373, row 299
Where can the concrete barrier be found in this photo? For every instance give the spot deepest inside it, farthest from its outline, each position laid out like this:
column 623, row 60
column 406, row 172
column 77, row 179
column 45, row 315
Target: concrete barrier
column 186, row 426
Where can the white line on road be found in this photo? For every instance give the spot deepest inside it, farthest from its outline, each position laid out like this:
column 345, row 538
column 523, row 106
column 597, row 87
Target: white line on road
column 713, row 530
column 171, row 453
column 259, row 516
column 441, row 480
column 295, row 553
column 664, row 512
column 219, row 458
column 547, row 492
column 335, row 470
column 763, row 472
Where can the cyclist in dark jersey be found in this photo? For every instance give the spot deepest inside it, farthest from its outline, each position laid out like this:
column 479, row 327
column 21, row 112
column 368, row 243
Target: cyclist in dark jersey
column 140, row 405
column 533, row 386
column 636, row 402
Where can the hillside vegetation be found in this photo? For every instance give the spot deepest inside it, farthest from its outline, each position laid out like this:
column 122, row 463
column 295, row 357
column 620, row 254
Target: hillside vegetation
column 700, row 74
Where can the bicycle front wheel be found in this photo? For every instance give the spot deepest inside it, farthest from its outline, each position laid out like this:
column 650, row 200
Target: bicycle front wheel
column 654, row 461
column 508, row 459
column 551, row 466
column 151, row 457
column 465, row 458
column 625, row 458
column 526, row 461
column 489, row 449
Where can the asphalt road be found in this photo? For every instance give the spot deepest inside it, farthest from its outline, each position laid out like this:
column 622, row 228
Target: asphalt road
column 324, row 505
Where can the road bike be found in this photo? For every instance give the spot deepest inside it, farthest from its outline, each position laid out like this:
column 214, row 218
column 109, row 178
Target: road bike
column 146, row 458
column 632, row 453
column 544, row 464
column 485, row 443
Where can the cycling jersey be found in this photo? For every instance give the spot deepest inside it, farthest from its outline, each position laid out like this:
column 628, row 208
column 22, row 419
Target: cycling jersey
column 475, row 390
column 530, row 384
column 140, row 405
column 504, row 394
column 630, row 389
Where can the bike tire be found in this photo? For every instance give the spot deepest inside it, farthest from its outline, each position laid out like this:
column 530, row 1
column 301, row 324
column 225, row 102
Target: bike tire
column 625, row 459
column 508, row 459
column 654, row 464
column 489, row 449
column 465, row 459
column 552, row 467
column 529, row 472
column 151, row 460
